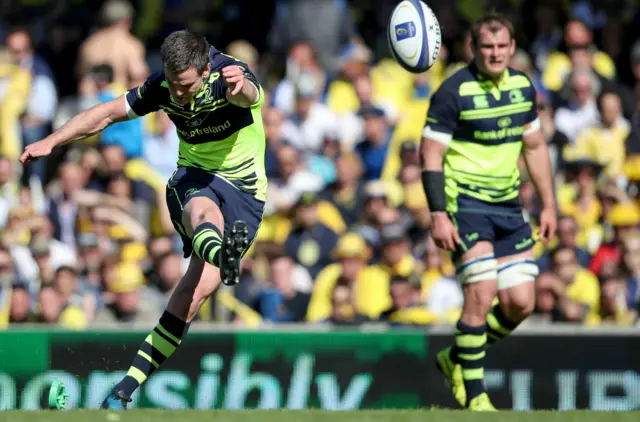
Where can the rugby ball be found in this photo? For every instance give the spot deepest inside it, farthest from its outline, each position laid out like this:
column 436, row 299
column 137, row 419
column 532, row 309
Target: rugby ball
column 414, row 35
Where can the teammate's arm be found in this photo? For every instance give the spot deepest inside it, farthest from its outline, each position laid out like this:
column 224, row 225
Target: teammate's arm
column 536, row 155
column 441, row 123
column 83, row 125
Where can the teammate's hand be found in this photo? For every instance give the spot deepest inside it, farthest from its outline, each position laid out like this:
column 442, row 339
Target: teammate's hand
column 36, row 151
column 234, row 77
column 444, row 232
column 548, row 224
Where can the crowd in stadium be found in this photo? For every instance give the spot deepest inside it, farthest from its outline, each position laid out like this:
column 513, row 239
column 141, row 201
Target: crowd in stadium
column 86, row 238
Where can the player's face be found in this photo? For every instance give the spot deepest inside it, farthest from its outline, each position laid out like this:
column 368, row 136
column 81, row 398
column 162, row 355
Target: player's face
column 183, row 86
column 494, row 50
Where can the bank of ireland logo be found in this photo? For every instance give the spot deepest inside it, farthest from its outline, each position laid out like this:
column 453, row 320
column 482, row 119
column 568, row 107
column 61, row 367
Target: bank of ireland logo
column 195, row 122
column 405, row 30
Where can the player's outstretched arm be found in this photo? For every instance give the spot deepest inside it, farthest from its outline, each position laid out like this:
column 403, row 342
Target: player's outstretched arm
column 83, row 125
column 241, row 92
column 536, row 156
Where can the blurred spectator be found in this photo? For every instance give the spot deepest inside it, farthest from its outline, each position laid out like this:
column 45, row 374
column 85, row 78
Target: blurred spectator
column 14, row 96
column 368, row 291
column 572, row 292
column 98, row 87
column 294, row 178
column 624, row 219
column 54, row 309
column 567, row 238
column 281, row 301
column 273, row 123
column 244, row 51
column 113, row 44
column 347, row 192
column 582, row 110
column 9, row 189
column 327, row 24
column 167, row 273
column 406, row 308
column 439, row 290
column 21, row 304
column 343, row 311
column 556, row 140
column 614, row 303
column 549, row 31
column 373, row 149
column 310, row 242
column 395, row 252
column 311, row 120
column 578, row 39
column 43, row 98
column 62, row 209
column 126, row 303
column 301, row 63
column 605, row 142
column 161, row 150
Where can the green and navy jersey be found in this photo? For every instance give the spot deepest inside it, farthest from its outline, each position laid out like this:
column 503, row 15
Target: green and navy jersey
column 215, row 135
column 482, row 124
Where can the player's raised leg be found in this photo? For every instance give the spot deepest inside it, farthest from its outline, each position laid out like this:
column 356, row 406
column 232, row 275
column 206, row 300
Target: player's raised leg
column 202, row 227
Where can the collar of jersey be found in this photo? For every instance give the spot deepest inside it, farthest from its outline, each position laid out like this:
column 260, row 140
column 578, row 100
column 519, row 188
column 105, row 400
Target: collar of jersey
column 492, row 87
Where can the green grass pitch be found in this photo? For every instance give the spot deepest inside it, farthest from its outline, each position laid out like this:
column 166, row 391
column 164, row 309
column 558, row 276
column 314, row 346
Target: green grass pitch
column 312, row 416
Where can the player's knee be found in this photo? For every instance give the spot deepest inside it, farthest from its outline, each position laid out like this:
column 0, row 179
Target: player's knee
column 516, row 283
column 202, row 210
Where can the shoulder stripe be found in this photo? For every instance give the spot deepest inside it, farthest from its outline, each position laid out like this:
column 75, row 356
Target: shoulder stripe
column 484, row 87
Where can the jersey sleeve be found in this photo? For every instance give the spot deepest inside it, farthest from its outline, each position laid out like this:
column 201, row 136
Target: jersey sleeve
column 221, row 86
column 442, row 117
column 145, row 98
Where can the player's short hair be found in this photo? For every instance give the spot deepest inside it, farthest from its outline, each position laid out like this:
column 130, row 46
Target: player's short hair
column 184, row 49
column 495, row 22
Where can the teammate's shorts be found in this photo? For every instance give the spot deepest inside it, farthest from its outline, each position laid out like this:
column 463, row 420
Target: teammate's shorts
column 190, row 182
column 506, row 229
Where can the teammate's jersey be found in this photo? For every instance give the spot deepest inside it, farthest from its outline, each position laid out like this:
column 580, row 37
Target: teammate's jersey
column 482, row 124
column 215, row 135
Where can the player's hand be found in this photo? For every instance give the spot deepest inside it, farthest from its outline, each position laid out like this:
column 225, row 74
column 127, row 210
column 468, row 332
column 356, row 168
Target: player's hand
column 234, row 77
column 548, row 224
column 36, row 151
column 444, row 232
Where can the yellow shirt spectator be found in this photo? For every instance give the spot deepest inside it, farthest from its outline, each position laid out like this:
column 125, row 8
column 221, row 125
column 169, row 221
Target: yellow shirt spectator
column 369, row 285
column 605, row 144
column 585, row 289
column 16, row 86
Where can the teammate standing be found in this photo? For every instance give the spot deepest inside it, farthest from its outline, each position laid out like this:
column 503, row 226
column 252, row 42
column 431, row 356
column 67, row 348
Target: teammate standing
column 215, row 197
column 479, row 122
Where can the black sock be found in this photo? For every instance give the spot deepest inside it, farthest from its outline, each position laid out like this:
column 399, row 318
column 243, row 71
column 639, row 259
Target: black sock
column 161, row 342
column 207, row 241
column 498, row 325
column 469, row 353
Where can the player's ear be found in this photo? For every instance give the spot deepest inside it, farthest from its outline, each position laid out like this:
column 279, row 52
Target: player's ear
column 206, row 72
column 512, row 49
